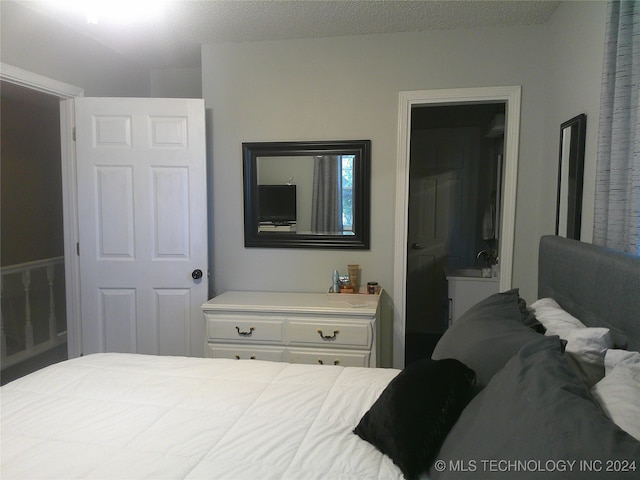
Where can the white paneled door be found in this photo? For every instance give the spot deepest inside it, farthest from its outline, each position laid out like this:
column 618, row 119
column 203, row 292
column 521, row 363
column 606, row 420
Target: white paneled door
column 142, row 223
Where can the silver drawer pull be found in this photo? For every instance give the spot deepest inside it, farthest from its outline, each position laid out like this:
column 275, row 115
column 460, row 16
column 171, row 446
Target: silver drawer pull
column 329, row 337
column 335, row 362
column 252, row 357
column 245, row 334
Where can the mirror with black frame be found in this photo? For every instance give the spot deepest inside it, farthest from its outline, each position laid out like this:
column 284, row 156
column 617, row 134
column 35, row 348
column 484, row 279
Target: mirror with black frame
column 570, row 177
column 311, row 194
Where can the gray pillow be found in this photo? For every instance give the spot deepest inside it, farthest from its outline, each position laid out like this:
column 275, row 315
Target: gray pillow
column 486, row 336
column 532, row 421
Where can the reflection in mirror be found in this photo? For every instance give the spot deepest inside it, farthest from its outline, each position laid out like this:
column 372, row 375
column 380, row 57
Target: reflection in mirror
column 325, row 196
column 307, row 194
column 570, row 177
column 277, row 207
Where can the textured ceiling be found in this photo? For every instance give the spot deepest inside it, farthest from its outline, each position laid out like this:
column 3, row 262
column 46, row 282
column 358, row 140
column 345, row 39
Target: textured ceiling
column 174, row 41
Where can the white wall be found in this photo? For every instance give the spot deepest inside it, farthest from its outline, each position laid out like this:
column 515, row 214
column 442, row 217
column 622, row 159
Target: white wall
column 575, row 49
column 67, row 56
column 176, row 83
column 347, row 88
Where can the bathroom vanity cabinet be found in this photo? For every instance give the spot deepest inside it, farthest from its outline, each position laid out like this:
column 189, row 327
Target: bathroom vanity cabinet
column 467, row 288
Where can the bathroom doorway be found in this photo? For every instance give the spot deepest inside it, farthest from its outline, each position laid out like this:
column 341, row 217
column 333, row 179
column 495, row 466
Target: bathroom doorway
column 455, row 173
column 510, row 98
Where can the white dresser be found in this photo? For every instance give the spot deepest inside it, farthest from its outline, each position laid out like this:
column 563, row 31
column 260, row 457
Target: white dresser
column 293, row 327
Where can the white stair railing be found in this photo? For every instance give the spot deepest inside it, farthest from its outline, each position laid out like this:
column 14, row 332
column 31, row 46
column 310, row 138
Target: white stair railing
column 54, row 339
column 28, row 326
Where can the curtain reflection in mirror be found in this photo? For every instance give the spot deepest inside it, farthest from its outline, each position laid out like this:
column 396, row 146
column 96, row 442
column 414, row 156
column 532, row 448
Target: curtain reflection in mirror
column 326, row 214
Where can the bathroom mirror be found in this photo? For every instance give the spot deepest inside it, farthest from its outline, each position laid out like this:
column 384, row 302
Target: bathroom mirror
column 570, row 177
column 307, row 194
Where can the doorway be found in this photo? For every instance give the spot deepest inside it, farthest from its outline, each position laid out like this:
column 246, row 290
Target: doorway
column 56, row 91
column 509, row 97
column 454, row 199
column 71, row 204
column 34, row 329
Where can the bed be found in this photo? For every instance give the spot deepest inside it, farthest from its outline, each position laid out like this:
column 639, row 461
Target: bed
column 503, row 396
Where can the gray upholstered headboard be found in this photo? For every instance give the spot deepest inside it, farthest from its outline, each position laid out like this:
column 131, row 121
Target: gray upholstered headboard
column 599, row 286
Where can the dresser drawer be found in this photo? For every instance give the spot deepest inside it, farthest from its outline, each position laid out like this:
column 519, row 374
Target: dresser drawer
column 334, row 334
column 245, row 328
column 273, row 354
column 291, row 327
column 328, row 357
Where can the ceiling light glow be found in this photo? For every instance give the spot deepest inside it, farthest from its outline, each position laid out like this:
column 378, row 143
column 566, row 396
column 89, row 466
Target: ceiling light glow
column 118, row 12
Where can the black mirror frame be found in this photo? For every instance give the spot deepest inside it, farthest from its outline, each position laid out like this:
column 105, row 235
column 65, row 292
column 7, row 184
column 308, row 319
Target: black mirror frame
column 575, row 180
column 251, row 151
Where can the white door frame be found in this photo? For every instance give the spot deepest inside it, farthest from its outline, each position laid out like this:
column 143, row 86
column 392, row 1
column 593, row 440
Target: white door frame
column 64, row 91
column 509, row 95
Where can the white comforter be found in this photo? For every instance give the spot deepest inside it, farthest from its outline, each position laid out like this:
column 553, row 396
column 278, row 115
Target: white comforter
column 120, row 416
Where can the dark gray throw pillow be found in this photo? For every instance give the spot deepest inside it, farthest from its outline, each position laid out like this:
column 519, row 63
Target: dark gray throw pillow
column 536, row 420
column 487, row 335
column 414, row 413
column 528, row 318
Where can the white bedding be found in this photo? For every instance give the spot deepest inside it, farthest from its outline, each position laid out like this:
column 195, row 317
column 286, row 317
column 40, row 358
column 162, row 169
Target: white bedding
column 120, row 416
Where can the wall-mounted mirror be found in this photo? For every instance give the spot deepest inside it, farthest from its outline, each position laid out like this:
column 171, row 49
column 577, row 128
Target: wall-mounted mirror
column 570, row 177
column 307, row 194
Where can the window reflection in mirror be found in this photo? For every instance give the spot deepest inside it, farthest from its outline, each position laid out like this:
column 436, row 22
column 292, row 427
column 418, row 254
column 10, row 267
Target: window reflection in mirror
column 347, row 192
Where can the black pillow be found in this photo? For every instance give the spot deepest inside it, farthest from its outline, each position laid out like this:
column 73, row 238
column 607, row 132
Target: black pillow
column 487, row 335
column 414, row 413
column 532, row 421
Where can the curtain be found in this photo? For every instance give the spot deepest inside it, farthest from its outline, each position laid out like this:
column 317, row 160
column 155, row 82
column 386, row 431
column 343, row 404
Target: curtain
column 326, row 206
column 617, row 195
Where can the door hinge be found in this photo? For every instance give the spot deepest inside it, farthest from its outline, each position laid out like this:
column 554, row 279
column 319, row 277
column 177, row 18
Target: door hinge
column 73, row 134
column 78, row 248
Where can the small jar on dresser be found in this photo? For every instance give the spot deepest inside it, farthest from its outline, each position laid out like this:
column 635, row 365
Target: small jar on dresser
column 319, row 328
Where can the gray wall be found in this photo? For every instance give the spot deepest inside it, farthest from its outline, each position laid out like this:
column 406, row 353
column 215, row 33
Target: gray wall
column 31, row 184
column 575, row 48
column 176, row 83
column 347, row 88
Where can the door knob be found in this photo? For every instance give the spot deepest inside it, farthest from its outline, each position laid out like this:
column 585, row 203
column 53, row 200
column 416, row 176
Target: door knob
column 196, row 274
column 416, row 246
